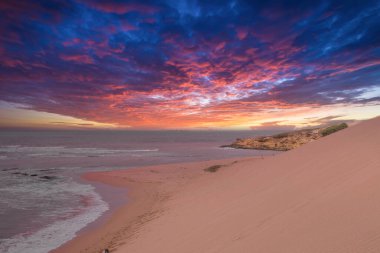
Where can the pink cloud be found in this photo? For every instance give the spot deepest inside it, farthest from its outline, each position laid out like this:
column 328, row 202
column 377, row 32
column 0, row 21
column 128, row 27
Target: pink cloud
column 220, row 46
column 85, row 59
column 241, row 33
column 122, row 8
column 71, row 42
column 274, row 126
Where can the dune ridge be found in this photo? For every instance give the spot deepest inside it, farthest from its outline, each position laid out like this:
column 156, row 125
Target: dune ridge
column 321, row 197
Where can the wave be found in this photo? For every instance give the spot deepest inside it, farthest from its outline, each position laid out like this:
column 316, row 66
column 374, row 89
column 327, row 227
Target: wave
column 61, row 151
column 60, row 231
column 142, row 150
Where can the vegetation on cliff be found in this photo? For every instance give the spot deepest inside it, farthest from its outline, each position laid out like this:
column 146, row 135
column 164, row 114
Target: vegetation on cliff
column 333, row 129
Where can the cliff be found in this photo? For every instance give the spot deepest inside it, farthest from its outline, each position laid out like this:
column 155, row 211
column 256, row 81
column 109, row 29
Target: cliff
column 286, row 141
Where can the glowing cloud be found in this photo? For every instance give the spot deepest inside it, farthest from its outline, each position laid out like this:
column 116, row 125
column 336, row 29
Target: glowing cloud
column 183, row 64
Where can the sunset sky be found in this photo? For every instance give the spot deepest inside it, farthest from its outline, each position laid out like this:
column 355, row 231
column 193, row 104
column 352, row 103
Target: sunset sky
column 188, row 64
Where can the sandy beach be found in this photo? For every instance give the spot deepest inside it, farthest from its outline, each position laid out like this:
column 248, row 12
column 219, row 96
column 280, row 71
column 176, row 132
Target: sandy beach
column 321, row 197
column 148, row 188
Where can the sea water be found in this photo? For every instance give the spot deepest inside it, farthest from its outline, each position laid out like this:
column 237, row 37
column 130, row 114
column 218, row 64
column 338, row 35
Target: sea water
column 42, row 202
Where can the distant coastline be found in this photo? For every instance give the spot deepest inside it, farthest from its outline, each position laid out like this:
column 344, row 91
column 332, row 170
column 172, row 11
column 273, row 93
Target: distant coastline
column 285, row 141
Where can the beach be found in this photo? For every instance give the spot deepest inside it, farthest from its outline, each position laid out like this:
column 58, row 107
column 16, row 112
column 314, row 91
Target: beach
column 321, row 197
column 148, row 190
column 45, row 200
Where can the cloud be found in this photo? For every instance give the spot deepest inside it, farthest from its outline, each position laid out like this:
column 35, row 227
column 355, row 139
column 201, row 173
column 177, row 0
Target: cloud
column 274, row 126
column 142, row 63
column 121, row 7
column 329, row 120
column 84, row 59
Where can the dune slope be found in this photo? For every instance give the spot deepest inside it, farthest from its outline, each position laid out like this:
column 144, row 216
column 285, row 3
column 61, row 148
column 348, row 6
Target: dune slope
column 322, row 197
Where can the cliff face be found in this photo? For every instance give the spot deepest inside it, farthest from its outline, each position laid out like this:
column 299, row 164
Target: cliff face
column 286, row 141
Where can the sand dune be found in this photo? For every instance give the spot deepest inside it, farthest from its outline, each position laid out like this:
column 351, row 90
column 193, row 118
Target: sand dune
column 322, row 197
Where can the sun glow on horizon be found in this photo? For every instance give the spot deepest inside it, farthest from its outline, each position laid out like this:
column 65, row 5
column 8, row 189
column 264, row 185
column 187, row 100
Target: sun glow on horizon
column 17, row 116
column 158, row 65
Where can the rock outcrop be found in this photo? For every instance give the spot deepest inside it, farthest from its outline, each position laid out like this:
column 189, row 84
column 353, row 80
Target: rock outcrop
column 286, row 141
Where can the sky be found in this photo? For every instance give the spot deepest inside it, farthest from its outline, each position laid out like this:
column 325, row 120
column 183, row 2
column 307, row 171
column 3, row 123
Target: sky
column 188, row 64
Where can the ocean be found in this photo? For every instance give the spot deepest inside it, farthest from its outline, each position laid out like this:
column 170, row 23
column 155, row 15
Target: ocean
column 42, row 201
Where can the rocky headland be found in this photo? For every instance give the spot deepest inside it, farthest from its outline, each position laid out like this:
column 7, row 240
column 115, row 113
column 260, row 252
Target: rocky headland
column 286, row 141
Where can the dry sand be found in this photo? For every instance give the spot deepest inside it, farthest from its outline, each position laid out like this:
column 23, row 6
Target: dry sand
column 322, row 197
column 148, row 188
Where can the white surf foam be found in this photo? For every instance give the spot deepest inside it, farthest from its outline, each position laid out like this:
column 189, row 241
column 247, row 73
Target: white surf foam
column 59, row 232
column 61, row 151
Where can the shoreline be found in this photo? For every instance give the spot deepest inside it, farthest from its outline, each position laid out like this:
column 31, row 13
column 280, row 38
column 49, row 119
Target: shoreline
column 301, row 199
column 145, row 189
column 321, row 197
